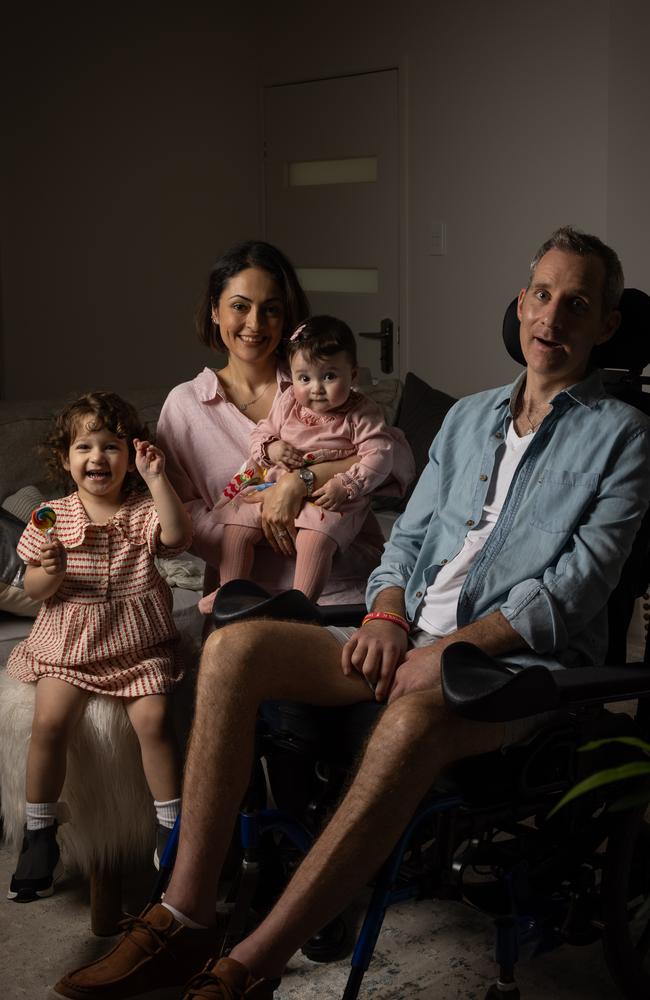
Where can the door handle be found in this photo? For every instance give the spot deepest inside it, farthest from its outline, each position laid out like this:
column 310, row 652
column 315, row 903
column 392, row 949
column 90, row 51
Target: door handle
column 385, row 337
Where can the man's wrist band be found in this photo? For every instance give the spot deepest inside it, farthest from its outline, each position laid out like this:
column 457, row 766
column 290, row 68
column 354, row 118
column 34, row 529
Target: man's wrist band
column 388, row 616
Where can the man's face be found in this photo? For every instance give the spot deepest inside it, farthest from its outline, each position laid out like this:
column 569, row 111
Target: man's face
column 562, row 318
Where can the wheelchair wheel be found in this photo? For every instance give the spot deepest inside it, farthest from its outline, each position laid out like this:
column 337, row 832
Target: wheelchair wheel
column 626, row 905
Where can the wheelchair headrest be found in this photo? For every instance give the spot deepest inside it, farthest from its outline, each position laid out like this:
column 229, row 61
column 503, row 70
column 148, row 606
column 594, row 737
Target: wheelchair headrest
column 628, row 349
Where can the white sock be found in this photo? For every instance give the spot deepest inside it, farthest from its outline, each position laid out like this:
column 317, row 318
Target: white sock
column 167, row 812
column 40, row 815
column 182, row 919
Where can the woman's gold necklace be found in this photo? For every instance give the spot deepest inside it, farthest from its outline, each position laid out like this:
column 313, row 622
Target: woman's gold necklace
column 242, row 407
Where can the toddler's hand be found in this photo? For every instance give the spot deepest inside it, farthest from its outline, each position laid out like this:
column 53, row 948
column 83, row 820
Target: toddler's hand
column 149, row 460
column 331, row 496
column 53, row 557
column 281, row 453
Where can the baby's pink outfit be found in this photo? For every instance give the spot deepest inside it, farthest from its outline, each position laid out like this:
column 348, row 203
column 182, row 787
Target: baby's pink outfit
column 357, row 428
column 205, row 439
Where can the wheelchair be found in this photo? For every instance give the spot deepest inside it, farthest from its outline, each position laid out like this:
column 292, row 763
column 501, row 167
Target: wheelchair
column 486, row 833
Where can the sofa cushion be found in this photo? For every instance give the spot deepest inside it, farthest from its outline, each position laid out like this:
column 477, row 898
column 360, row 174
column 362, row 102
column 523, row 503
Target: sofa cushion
column 23, row 502
column 12, row 569
column 421, row 412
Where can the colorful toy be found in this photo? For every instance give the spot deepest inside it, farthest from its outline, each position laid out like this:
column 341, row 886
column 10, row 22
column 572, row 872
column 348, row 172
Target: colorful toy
column 44, row 518
column 249, row 475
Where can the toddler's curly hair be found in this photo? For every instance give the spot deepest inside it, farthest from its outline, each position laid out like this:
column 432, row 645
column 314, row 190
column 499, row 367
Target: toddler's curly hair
column 94, row 411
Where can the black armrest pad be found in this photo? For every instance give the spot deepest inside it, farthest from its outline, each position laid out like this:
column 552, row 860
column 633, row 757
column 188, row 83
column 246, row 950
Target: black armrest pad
column 242, row 600
column 479, row 687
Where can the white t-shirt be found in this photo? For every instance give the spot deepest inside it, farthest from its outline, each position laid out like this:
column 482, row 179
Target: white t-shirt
column 438, row 612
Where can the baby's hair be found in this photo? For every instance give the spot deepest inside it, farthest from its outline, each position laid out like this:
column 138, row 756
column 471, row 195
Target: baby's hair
column 104, row 410
column 321, row 336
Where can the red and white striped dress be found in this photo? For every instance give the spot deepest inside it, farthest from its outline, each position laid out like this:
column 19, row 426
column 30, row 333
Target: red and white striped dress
column 109, row 627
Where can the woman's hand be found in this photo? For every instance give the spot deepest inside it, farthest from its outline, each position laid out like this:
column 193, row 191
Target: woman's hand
column 149, row 460
column 280, row 507
column 285, row 455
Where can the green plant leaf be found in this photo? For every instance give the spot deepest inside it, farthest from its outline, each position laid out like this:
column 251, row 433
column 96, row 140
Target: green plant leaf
column 634, row 769
column 633, row 801
column 630, row 741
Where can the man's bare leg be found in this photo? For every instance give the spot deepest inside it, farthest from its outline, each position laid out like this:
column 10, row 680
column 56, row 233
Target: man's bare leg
column 241, row 666
column 414, row 740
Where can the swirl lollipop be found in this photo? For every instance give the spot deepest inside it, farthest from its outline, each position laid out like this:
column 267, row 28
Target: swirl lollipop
column 44, row 518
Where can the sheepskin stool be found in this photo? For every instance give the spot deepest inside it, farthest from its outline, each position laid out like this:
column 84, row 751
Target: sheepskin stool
column 112, row 819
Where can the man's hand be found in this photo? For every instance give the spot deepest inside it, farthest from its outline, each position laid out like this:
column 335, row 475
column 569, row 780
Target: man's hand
column 419, row 671
column 53, row 558
column 285, row 455
column 331, row 496
column 375, row 651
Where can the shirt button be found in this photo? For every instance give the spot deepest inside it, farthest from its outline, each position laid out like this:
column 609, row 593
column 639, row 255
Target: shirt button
column 483, row 477
column 470, row 523
column 443, row 562
column 418, row 593
column 498, row 435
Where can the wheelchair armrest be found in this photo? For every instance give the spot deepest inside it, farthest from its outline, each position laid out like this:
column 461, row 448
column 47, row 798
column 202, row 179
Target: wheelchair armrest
column 341, row 614
column 478, row 687
column 242, row 600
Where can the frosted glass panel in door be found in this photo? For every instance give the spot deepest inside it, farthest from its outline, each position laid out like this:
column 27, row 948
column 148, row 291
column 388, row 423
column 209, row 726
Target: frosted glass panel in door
column 353, row 170
column 336, row 230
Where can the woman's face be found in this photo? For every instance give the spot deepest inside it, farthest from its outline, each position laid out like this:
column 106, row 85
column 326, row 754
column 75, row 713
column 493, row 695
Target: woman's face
column 250, row 314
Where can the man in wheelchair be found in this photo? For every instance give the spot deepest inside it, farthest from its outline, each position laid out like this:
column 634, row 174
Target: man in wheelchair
column 513, row 540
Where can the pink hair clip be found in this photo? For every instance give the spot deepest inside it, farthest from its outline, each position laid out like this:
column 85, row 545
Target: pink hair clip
column 296, row 333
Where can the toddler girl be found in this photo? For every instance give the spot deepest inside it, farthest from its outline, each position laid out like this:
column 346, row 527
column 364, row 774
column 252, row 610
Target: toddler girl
column 105, row 625
column 320, row 418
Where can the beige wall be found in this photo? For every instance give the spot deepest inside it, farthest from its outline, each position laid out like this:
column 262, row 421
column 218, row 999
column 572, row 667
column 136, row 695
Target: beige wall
column 628, row 189
column 134, row 159
column 133, row 144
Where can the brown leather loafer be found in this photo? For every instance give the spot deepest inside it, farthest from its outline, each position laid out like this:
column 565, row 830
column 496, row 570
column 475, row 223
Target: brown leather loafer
column 227, row 979
column 155, row 953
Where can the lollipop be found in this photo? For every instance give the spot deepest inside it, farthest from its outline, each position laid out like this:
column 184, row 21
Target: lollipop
column 44, row 518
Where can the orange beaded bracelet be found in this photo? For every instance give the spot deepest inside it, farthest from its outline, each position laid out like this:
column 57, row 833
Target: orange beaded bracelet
column 388, row 616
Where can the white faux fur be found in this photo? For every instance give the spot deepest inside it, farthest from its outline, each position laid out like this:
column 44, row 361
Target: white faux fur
column 112, row 816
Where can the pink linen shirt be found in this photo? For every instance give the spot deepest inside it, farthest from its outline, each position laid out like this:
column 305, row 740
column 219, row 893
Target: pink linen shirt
column 205, row 438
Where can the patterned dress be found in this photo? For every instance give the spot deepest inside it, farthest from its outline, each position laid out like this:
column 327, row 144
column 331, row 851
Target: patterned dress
column 109, row 627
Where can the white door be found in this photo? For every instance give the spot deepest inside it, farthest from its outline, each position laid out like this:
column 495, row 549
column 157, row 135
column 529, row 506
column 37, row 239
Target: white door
column 332, row 199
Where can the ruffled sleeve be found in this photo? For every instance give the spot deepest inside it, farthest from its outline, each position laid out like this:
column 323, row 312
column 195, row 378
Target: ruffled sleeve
column 137, row 519
column 30, row 545
column 270, row 429
column 385, row 459
column 70, row 528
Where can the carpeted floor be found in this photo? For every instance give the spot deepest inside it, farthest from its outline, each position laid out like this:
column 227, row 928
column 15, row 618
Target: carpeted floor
column 427, row 950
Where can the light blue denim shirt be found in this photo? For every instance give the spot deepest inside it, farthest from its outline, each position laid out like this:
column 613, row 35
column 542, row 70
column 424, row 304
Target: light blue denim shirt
column 566, row 527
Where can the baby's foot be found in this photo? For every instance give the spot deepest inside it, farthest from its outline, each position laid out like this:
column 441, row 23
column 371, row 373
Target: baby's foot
column 205, row 604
